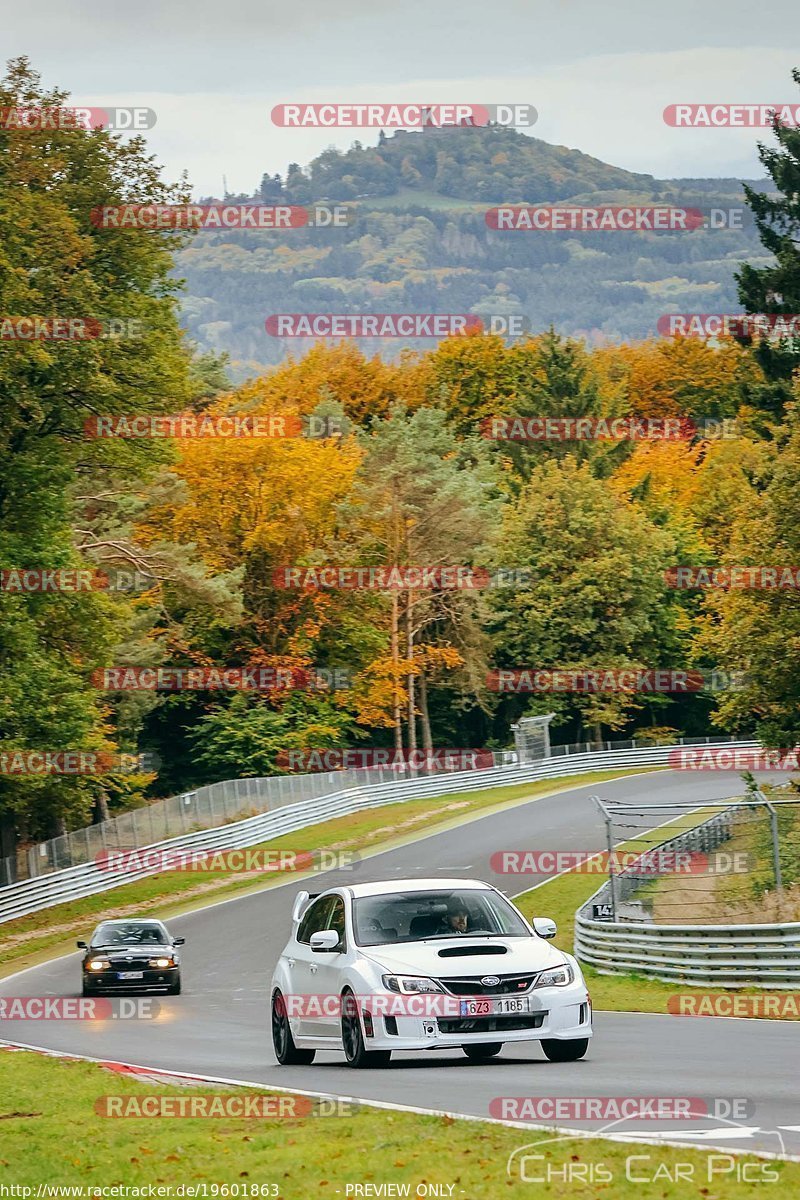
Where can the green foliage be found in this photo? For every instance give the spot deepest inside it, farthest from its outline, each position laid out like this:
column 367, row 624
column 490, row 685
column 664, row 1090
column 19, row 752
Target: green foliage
column 757, row 631
column 55, row 262
column 244, row 737
column 775, row 287
column 596, row 596
column 492, row 164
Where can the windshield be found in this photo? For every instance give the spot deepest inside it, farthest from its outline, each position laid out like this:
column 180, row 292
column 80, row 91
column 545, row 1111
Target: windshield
column 130, row 933
column 416, row 916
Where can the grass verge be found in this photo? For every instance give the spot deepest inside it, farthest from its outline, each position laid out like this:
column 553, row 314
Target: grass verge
column 53, row 1135
column 560, row 898
column 29, row 940
column 746, row 897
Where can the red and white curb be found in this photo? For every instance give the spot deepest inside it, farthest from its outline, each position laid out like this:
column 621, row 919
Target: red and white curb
column 145, row 1074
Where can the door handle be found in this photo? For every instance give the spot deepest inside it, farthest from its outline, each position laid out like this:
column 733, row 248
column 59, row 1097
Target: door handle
column 313, row 968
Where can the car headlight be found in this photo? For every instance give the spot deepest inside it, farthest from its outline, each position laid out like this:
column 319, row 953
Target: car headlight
column 160, row 962
column 413, row 984
column 99, row 964
column 557, row 977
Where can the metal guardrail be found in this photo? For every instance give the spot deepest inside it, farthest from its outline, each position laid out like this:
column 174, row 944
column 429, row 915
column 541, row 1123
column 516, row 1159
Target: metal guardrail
column 731, row 956
column 205, row 807
column 32, row 895
column 215, row 804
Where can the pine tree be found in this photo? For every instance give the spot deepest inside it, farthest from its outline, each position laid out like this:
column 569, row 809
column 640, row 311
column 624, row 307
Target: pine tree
column 775, row 289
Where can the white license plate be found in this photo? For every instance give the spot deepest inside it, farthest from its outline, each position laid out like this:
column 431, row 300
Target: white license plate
column 130, row 974
column 494, row 1005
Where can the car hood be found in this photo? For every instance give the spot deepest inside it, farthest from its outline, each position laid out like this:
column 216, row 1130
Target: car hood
column 425, row 958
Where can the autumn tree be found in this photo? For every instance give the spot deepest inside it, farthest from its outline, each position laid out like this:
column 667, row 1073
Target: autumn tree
column 756, row 630
column 424, row 497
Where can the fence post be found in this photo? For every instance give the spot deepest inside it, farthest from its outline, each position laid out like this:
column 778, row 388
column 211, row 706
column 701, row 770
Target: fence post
column 610, row 844
column 776, row 848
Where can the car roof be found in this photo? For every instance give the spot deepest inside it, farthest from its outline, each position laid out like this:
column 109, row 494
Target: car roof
column 132, row 921
column 388, row 886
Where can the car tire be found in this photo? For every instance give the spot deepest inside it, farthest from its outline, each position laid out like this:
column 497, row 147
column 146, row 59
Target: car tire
column 174, row 989
column 286, row 1052
column 565, row 1051
column 478, row 1053
column 355, row 1051
column 86, row 990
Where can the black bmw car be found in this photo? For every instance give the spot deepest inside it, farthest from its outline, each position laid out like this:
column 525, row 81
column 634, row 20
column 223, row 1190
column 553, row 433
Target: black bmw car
column 128, row 955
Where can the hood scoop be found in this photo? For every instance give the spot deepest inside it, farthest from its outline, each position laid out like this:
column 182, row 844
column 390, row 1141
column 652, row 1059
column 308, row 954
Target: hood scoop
column 471, row 951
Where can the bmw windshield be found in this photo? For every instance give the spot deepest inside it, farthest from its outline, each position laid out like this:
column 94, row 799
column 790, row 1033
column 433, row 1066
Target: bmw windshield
column 131, row 933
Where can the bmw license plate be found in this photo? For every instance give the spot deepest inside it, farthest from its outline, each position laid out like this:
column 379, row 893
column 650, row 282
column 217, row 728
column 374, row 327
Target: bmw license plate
column 130, row 974
column 494, row 1005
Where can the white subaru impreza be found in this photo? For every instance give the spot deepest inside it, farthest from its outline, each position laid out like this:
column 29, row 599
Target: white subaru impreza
column 426, row 964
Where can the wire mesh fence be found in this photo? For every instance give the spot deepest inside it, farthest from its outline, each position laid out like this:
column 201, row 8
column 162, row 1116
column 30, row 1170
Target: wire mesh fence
column 723, row 863
column 206, row 807
column 235, row 799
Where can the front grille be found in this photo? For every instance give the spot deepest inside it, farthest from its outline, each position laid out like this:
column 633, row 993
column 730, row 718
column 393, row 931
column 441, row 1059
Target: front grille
column 496, row 1024
column 135, row 964
column 471, row 985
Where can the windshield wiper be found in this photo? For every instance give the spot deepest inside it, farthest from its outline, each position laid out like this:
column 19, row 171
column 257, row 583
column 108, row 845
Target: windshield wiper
column 437, row 937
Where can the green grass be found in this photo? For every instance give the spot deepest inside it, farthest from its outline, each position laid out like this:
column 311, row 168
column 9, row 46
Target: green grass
column 52, row 1134
column 52, row 931
column 561, row 897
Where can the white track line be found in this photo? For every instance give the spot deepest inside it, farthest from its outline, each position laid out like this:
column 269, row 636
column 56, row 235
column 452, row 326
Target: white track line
column 403, row 1107
column 636, row 1139
column 305, row 876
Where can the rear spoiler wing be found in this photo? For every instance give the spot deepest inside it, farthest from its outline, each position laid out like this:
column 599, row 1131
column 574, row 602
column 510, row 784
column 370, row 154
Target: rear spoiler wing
column 300, row 902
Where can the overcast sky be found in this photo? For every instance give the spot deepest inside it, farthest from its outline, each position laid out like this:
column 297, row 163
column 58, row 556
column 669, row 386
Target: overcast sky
column 599, row 74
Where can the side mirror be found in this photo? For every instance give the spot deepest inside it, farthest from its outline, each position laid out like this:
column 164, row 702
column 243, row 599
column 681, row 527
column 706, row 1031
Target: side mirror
column 324, row 941
column 179, row 941
column 81, row 945
column 545, row 927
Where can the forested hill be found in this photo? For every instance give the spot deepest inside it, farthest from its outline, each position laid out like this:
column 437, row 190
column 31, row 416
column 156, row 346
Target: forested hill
column 492, row 165
column 419, row 242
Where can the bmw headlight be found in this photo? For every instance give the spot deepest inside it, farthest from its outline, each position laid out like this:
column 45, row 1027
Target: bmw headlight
column 160, row 962
column 557, row 977
column 410, row 984
column 99, row 964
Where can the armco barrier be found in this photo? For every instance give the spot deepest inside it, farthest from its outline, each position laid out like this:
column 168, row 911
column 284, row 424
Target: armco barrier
column 205, row 807
column 729, row 956
column 31, row 895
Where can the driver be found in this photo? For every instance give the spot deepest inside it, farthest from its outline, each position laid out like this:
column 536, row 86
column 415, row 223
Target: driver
column 456, row 918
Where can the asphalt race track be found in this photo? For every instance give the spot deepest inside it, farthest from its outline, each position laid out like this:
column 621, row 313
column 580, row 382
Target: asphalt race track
column 220, row 1025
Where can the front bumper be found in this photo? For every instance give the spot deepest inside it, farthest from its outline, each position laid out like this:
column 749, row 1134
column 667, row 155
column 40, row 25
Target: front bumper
column 558, row 1013
column 155, row 977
